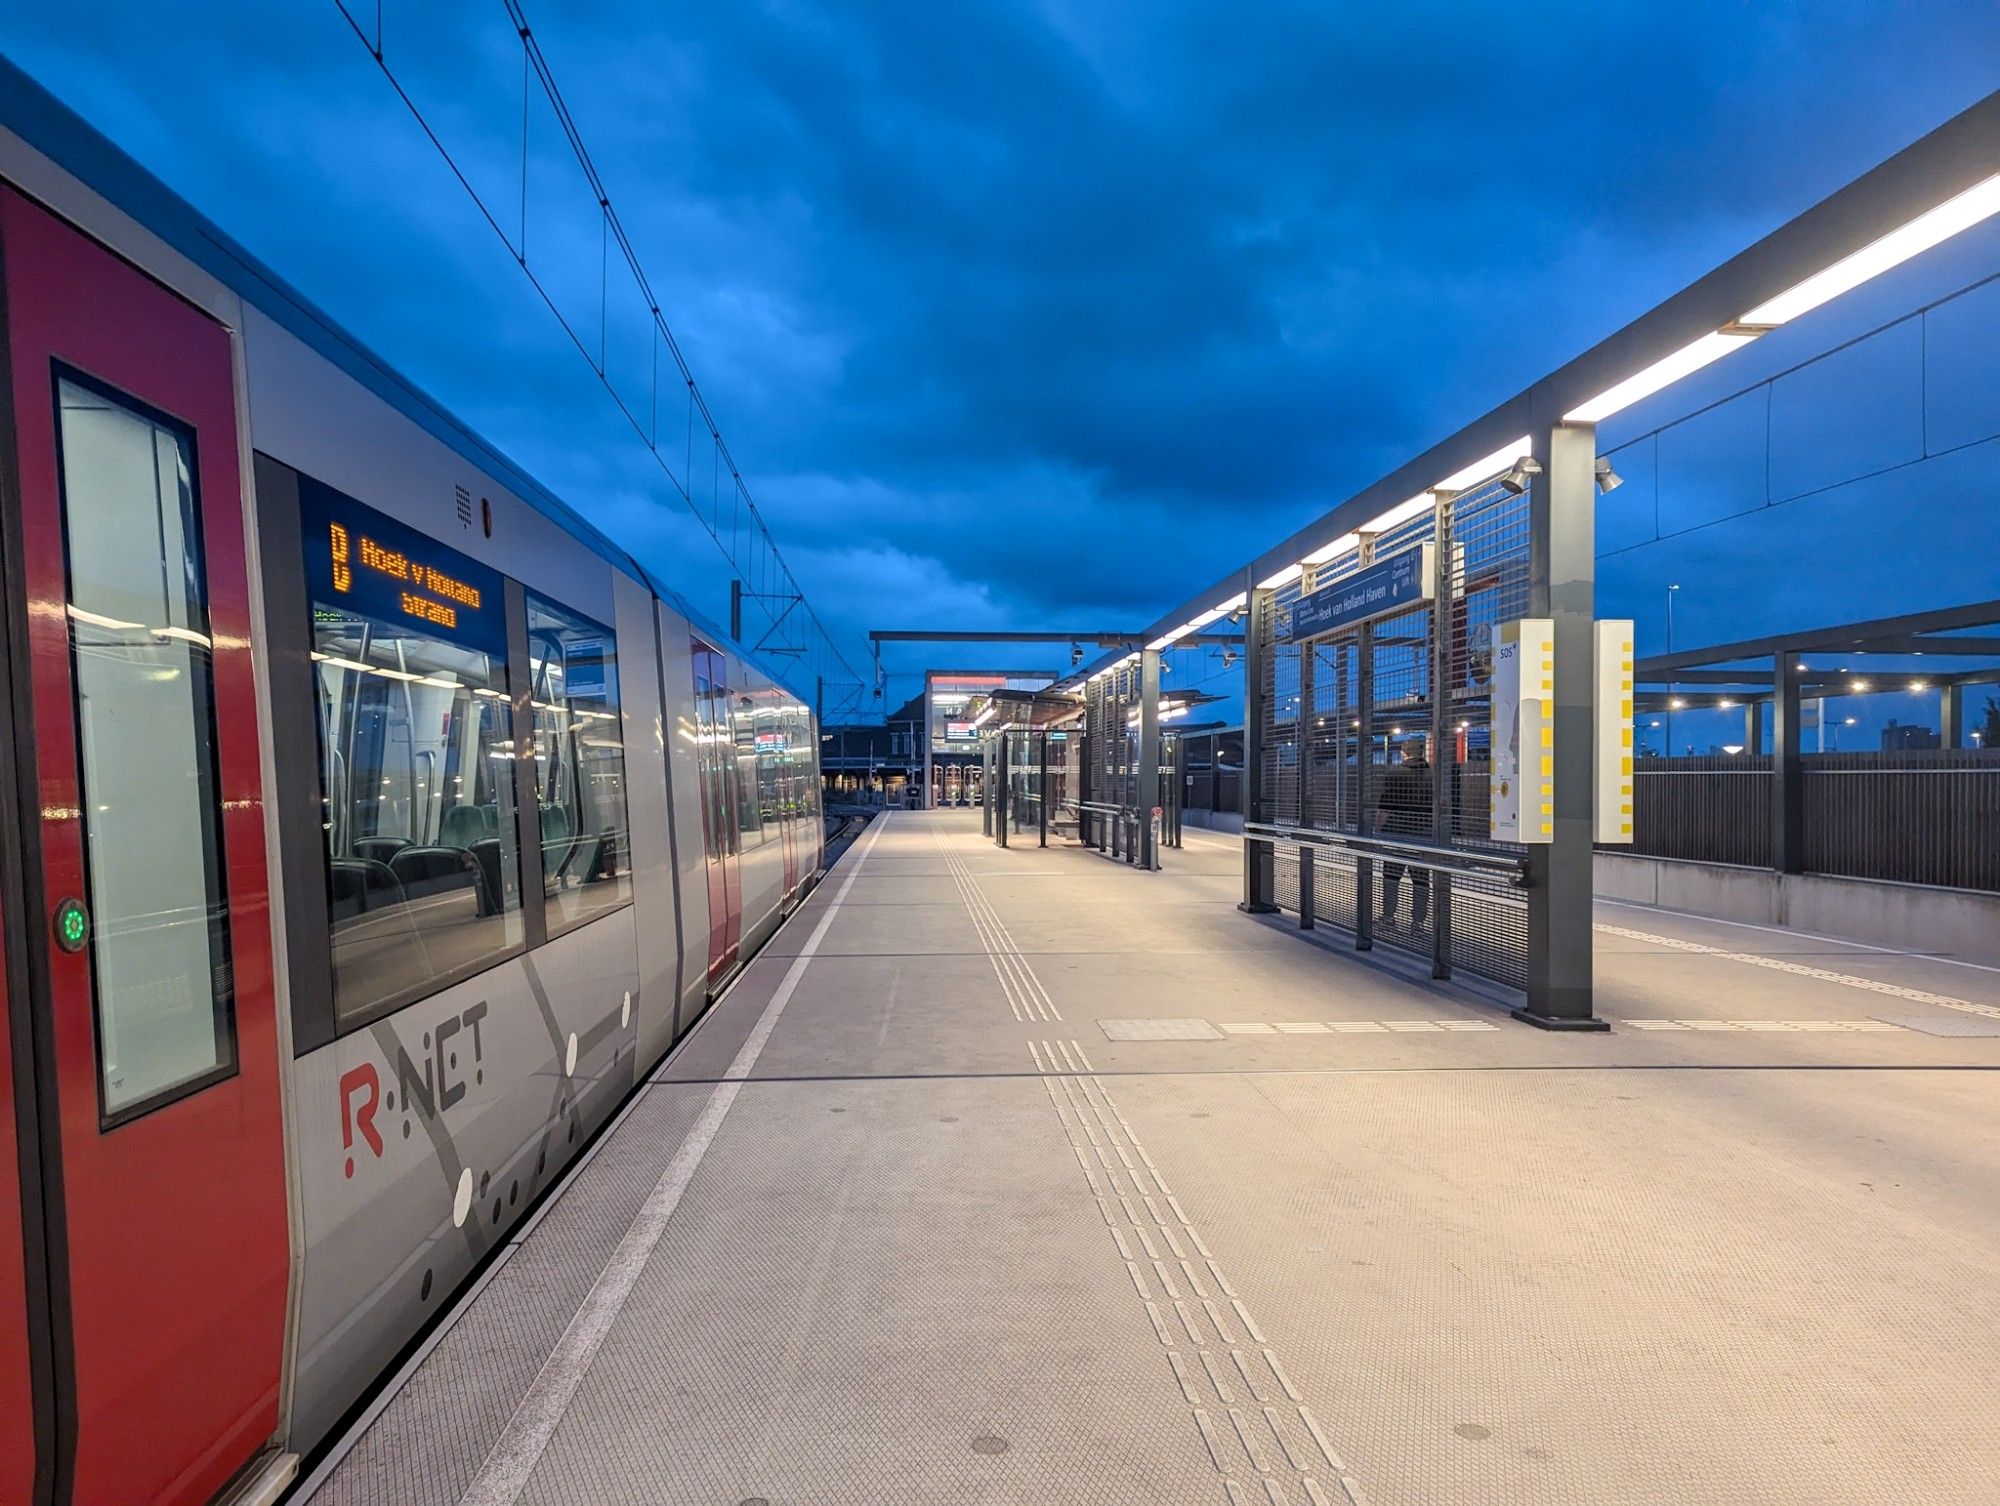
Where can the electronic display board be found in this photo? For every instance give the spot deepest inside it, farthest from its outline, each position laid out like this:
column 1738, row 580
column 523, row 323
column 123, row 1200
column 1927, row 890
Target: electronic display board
column 359, row 561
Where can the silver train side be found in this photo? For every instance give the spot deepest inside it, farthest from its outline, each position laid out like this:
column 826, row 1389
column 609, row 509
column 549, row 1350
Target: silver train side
column 483, row 1092
column 547, row 1044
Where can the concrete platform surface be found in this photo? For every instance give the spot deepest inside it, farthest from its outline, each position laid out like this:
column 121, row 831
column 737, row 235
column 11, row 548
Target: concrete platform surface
column 1022, row 1176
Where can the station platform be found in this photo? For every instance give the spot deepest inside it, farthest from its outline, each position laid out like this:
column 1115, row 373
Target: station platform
column 1024, row 1176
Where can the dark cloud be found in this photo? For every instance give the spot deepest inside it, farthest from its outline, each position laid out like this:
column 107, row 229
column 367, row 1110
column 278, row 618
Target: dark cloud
column 1019, row 314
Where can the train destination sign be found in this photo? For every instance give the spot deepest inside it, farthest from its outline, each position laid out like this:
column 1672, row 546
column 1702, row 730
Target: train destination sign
column 1392, row 585
column 360, row 561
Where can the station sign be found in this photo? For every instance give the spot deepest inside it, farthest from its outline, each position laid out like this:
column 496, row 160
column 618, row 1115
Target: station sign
column 360, row 561
column 1388, row 586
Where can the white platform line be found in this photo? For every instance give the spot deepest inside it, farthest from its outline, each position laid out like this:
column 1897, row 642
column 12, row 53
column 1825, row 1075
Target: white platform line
column 508, row 1467
column 1805, row 970
column 1745, row 925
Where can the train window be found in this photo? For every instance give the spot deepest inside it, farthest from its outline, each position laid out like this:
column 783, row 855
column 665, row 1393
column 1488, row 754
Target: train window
column 416, row 757
column 749, row 802
column 579, row 765
column 145, row 732
column 770, row 734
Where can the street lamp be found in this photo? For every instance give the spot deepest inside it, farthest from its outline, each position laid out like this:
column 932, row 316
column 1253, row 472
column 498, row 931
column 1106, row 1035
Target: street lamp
column 1671, row 686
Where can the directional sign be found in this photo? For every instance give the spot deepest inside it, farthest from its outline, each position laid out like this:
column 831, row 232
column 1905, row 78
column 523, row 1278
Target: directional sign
column 1392, row 585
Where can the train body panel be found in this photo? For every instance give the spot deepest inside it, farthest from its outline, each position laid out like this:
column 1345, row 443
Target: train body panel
column 520, row 815
column 424, row 1135
column 654, row 881
column 683, row 730
column 309, row 414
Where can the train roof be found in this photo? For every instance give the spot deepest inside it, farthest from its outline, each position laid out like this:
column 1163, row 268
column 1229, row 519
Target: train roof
column 56, row 131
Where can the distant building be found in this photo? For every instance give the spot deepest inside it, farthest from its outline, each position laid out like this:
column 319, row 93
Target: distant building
column 873, row 763
column 1904, row 737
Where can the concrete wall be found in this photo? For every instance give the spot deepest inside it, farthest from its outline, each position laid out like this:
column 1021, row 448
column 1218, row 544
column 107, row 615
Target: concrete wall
column 1911, row 917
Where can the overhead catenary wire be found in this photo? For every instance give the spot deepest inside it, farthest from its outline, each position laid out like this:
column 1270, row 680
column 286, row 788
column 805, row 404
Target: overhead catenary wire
column 768, row 579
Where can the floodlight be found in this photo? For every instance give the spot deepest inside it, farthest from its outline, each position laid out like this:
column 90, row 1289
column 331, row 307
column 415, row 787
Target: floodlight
column 1516, row 479
column 1608, row 480
column 1075, row 655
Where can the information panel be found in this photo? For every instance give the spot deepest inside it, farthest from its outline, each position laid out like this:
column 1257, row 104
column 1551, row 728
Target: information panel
column 1614, row 730
column 1523, row 801
column 1395, row 584
column 359, row 561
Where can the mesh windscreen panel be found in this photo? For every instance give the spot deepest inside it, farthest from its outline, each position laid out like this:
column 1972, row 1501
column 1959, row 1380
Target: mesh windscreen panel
column 1343, row 711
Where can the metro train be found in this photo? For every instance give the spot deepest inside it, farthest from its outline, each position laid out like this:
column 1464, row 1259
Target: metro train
column 370, row 824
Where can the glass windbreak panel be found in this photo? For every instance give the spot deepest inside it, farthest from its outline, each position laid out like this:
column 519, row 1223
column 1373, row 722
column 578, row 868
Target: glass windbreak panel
column 416, row 757
column 145, row 733
column 579, row 765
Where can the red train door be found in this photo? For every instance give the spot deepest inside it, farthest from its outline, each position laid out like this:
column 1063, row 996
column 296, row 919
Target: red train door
column 155, row 1022
column 720, row 836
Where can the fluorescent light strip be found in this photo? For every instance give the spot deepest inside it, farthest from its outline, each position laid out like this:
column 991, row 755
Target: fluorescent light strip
column 1338, row 547
column 1662, row 373
column 1402, row 512
column 1480, row 470
column 1283, row 578
column 1979, row 202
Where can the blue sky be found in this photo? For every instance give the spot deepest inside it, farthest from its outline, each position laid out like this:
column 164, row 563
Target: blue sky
column 1020, row 315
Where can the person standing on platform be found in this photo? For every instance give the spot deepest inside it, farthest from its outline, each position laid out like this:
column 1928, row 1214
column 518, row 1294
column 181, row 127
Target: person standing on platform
column 1404, row 810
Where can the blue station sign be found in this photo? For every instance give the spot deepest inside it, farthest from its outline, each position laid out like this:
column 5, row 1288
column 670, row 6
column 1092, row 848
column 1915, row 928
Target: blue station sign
column 359, row 561
column 1392, row 585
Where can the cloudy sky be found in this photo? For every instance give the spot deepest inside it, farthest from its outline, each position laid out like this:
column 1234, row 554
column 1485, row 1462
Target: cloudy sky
column 1029, row 314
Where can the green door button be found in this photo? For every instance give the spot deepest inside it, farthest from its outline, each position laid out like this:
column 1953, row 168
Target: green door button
column 72, row 925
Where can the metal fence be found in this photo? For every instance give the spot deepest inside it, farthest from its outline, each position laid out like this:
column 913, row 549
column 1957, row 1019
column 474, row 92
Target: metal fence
column 1715, row 809
column 1339, row 715
column 1912, row 817
column 1109, row 799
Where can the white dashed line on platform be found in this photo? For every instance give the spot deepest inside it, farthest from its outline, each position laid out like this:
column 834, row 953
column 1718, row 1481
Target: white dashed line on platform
column 1353, row 1027
column 1765, row 1025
